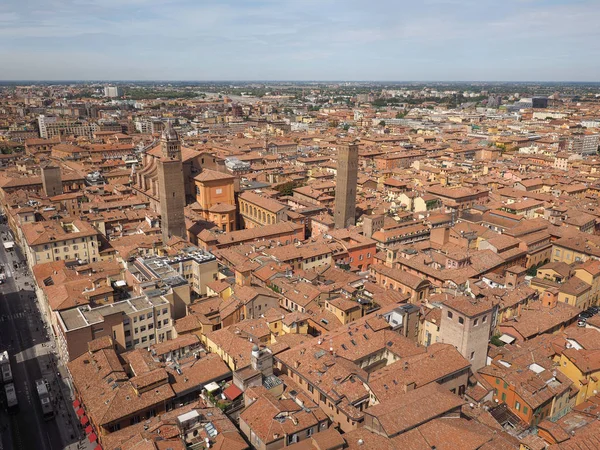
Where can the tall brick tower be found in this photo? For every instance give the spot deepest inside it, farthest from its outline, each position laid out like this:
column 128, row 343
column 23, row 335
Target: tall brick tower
column 171, row 190
column 51, row 179
column 345, row 189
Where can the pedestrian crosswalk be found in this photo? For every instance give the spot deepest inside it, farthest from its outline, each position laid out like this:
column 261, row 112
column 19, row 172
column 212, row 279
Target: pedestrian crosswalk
column 7, row 317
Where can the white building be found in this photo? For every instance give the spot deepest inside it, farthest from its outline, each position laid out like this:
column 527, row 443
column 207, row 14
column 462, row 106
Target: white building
column 111, row 91
column 43, row 121
column 590, row 123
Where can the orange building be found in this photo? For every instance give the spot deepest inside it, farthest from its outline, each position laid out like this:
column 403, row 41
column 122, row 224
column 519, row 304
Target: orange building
column 215, row 198
column 533, row 392
column 361, row 249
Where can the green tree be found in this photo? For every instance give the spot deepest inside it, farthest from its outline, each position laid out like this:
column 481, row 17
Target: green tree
column 286, row 188
column 495, row 340
column 382, row 123
column 532, row 271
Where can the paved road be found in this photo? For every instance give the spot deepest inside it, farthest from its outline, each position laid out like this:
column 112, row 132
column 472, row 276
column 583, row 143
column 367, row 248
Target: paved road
column 23, row 334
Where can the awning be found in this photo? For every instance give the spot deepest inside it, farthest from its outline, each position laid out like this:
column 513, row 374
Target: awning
column 507, row 339
column 88, row 429
column 98, row 447
column 80, row 412
column 232, row 392
column 211, row 387
column 92, row 437
column 76, row 404
column 84, row 420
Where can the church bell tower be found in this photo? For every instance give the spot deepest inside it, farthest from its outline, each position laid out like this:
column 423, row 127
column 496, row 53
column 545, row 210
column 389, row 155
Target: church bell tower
column 170, row 186
column 170, row 143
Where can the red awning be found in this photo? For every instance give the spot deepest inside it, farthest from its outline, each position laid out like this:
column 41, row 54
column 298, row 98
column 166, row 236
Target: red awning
column 84, row 420
column 76, row 404
column 92, row 437
column 98, row 447
column 88, row 429
column 80, row 412
column 232, row 392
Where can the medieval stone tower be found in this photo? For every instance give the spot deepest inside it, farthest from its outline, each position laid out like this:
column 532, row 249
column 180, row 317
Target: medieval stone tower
column 170, row 185
column 51, row 179
column 345, row 188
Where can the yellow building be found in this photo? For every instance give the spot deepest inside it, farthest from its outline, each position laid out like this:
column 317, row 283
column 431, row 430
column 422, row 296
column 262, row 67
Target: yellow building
column 233, row 349
column 54, row 241
column 413, row 201
column 294, row 325
column 215, row 196
column 573, row 250
column 429, row 327
column 575, row 292
column 198, row 268
column 590, row 273
column 219, row 289
column 282, row 324
column 345, row 310
column 554, row 271
column 571, row 289
column 258, row 211
column 583, row 368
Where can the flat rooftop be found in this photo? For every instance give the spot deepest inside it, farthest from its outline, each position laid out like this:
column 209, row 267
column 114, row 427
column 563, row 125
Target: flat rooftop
column 85, row 316
column 163, row 267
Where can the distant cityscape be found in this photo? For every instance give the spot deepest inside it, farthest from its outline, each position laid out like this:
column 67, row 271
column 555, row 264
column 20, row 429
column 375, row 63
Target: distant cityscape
column 312, row 265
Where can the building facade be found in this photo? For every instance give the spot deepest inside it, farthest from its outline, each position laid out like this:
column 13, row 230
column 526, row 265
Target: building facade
column 466, row 324
column 257, row 211
column 215, row 198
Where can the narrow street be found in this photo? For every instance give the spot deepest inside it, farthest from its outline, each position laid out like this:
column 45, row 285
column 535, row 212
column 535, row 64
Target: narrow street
column 25, row 336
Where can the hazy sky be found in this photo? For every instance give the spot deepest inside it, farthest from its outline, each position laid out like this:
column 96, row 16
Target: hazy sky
column 300, row 39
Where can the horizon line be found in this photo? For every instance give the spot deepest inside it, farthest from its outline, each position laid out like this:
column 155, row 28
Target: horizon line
column 65, row 80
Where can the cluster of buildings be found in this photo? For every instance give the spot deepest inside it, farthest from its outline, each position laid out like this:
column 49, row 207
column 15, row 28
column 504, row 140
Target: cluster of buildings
column 235, row 280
